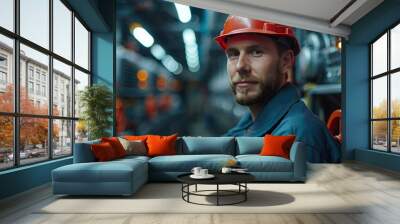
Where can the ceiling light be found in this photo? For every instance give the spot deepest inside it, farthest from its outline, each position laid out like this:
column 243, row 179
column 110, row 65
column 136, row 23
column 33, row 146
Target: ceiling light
column 189, row 37
column 157, row 51
column 143, row 36
column 184, row 13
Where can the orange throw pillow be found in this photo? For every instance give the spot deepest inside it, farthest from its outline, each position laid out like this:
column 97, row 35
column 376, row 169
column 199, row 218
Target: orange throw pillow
column 103, row 151
column 116, row 145
column 161, row 145
column 135, row 137
column 277, row 145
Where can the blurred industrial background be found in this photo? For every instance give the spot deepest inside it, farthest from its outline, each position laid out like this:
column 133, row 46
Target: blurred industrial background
column 171, row 75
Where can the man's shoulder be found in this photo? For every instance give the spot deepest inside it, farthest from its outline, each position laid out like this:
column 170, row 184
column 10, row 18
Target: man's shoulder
column 302, row 118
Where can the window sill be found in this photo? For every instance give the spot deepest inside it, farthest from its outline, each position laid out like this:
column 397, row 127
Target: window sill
column 30, row 166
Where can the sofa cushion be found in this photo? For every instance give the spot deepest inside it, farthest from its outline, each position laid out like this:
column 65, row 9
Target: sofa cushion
column 103, row 151
column 185, row 163
column 116, row 145
column 249, row 145
column 135, row 147
column 131, row 158
column 208, row 145
column 111, row 171
column 277, row 145
column 135, row 137
column 257, row 163
column 161, row 145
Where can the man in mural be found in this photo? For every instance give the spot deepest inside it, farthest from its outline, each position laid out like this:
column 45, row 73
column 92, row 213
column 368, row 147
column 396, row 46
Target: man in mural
column 260, row 55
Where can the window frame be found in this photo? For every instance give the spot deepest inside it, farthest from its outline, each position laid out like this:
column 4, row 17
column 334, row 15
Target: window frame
column 388, row 74
column 16, row 114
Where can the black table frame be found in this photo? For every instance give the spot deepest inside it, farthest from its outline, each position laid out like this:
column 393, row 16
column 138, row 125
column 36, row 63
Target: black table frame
column 242, row 190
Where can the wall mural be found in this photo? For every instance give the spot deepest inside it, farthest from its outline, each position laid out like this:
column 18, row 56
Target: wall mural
column 173, row 77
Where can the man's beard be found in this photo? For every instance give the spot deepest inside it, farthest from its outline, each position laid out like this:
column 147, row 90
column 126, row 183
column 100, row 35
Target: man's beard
column 265, row 89
column 264, row 94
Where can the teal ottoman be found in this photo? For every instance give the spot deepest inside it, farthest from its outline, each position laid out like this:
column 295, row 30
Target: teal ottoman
column 118, row 177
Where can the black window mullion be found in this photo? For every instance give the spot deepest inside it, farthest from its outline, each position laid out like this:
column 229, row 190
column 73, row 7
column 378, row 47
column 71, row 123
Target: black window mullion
column 371, row 89
column 114, row 85
column 73, row 82
column 389, row 106
column 50, row 87
column 16, row 84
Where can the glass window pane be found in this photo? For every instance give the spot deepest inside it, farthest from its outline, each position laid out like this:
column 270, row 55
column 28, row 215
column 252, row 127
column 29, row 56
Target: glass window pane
column 6, row 74
column 33, row 140
column 395, row 136
column 395, row 94
column 62, row 138
column 379, row 97
column 81, row 81
column 379, row 135
column 62, row 29
column 62, row 89
column 395, row 47
column 7, row 14
column 81, row 131
column 34, row 96
column 81, row 45
column 379, row 55
column 35, row 21
column 6, row 142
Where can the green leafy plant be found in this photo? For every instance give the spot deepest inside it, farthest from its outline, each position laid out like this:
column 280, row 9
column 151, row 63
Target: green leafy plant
column 96, row 104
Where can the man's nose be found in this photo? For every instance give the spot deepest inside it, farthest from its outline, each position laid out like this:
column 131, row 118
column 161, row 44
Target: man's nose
column 242, row 65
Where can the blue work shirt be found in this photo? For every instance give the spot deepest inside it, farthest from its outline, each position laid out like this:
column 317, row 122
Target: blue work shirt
column 286, row 114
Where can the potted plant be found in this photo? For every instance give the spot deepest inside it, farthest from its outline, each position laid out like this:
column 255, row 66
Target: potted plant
column 96, row 104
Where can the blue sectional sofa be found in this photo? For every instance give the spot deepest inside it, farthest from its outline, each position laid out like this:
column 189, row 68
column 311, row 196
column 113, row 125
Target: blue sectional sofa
column 125, row 176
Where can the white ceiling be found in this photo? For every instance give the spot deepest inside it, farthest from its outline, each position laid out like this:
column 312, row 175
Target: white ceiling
column 317, row 15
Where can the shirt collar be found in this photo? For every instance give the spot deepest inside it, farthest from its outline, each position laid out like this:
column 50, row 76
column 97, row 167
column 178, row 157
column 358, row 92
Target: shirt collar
column 274, row 110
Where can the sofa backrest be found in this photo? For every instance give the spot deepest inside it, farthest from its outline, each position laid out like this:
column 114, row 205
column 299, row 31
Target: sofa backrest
column 83, row 153
column 206, row 145
column 249, row 145
column 191, row 146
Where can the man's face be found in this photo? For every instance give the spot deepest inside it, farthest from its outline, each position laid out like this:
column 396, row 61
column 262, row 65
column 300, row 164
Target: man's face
column 253, row 66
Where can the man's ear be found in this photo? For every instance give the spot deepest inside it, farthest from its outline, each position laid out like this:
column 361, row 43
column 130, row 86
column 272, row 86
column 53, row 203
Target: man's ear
column 286, row 61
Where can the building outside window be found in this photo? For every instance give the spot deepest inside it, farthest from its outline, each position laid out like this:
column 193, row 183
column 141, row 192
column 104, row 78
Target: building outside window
column 3, row 72
column 30, row 87
column 43, row 90
column 385, row 91
column 37, row 75
column 38, row 89
column 3, row 78
column 30, row 72
column 3, row 61
column 55, row 95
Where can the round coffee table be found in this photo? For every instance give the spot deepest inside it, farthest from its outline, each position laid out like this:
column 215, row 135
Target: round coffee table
column 238, row 179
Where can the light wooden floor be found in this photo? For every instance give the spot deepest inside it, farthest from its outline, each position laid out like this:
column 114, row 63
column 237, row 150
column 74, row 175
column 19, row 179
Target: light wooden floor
column 377, row 188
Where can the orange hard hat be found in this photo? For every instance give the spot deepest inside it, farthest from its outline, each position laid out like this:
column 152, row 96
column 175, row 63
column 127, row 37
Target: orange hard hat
column 240, row 25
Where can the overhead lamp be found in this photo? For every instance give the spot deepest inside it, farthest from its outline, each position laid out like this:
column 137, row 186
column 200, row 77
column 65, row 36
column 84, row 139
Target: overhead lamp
column 143, row 36
column 184, row 13
column 194, row 69
column 189, row 37
column 157, row 51
column 173, row 66
column 191, row 50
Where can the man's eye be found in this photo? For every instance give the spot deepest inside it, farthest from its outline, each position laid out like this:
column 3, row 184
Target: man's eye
column 232, row 55
column 256, row 53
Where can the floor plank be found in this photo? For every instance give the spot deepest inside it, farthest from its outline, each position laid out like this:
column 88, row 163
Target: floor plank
column 377, row 190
